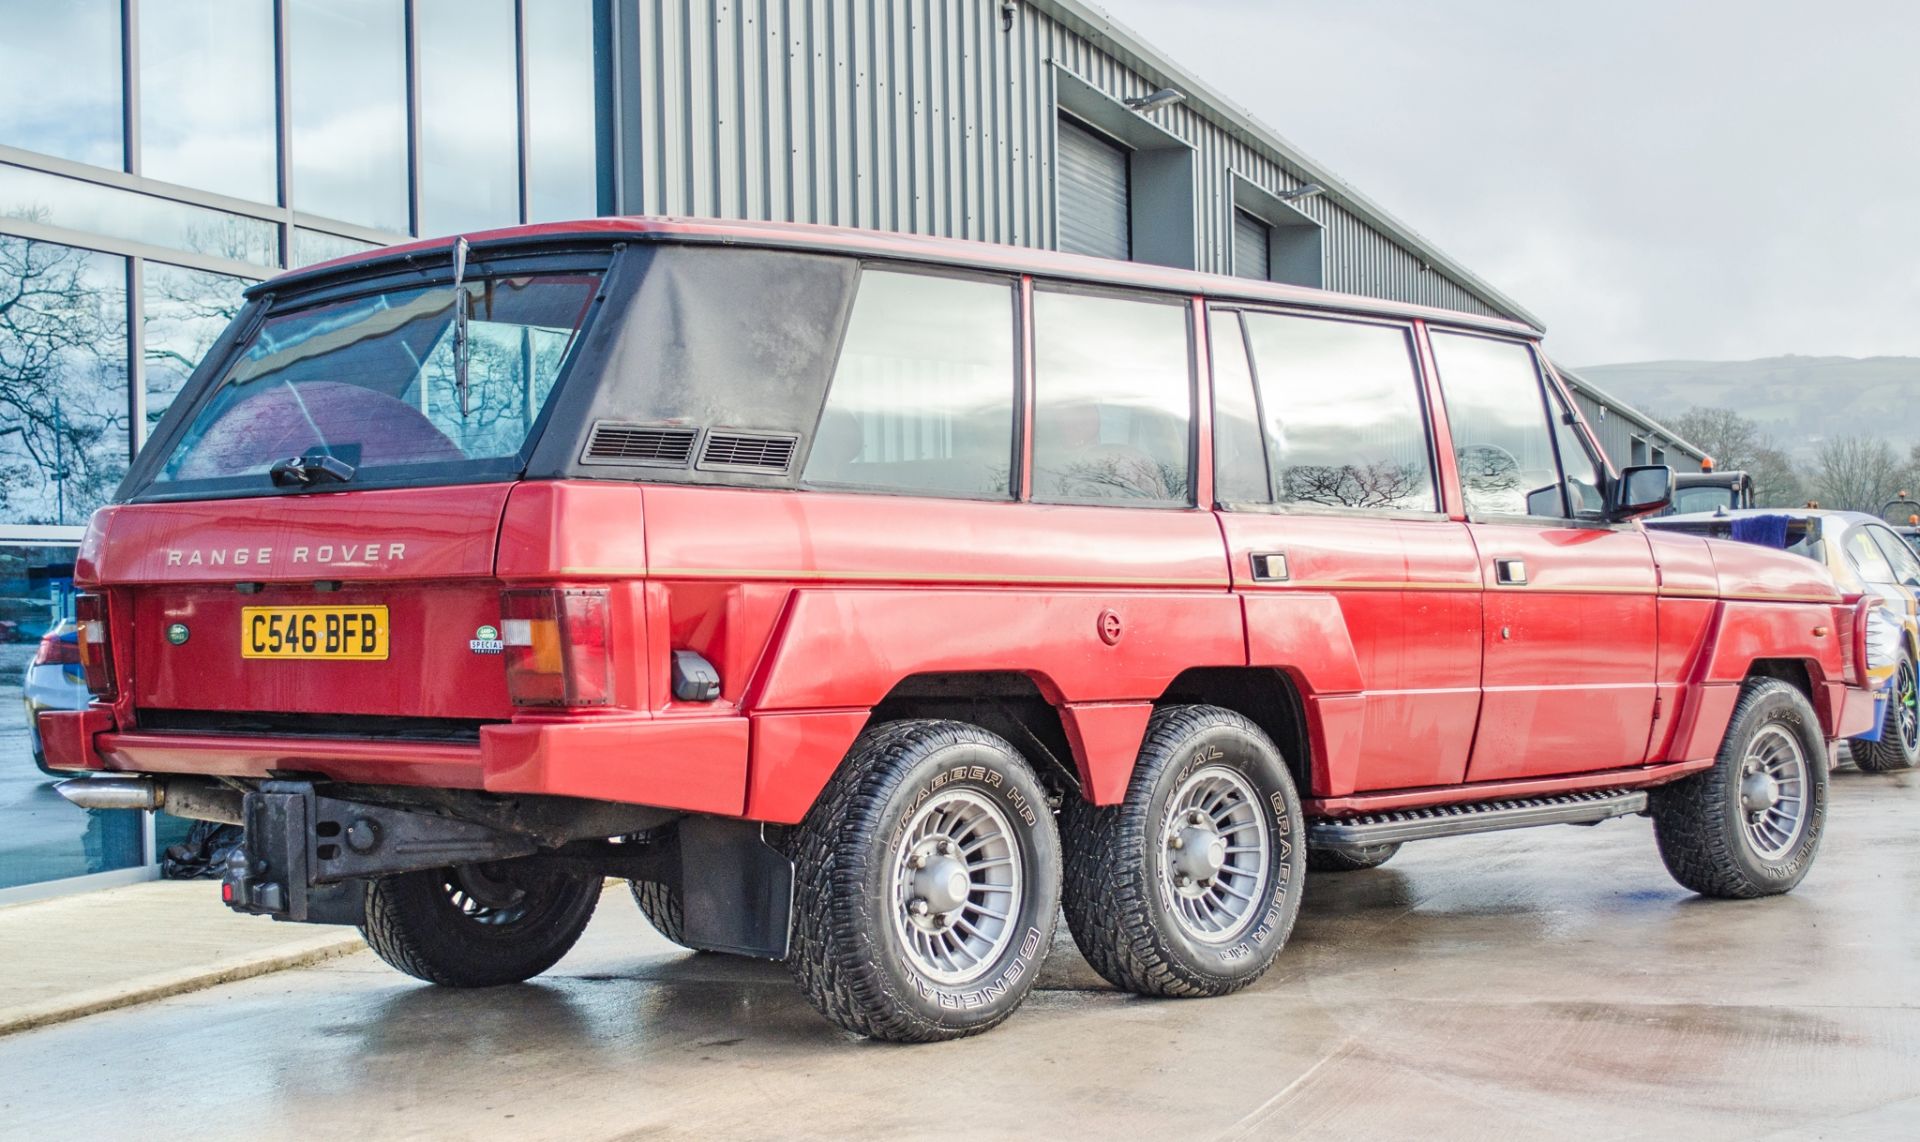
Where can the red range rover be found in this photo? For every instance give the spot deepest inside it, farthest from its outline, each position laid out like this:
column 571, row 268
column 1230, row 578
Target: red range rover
column 864, row 599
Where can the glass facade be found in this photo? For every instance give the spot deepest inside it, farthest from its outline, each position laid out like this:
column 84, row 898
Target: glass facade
column 157, row 157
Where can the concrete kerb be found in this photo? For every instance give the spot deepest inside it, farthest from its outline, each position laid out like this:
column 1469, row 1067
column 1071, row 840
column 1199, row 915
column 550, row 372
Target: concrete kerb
column 320, row 947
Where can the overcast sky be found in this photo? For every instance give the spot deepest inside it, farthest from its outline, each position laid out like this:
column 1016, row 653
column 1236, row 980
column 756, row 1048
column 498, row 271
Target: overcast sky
column 1714, row 179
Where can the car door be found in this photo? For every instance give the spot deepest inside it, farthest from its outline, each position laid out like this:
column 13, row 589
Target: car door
column 1895, row 574
column 1325, row 473
column 1568, row 609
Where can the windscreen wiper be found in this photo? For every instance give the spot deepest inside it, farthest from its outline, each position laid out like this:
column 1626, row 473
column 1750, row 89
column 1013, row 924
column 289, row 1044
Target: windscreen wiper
column 310, row 471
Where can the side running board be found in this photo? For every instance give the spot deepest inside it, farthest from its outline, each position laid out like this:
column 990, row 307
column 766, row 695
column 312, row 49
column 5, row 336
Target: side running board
column 1483, row 817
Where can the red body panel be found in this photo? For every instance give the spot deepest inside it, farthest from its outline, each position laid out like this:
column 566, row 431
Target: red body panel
column 1422, row 677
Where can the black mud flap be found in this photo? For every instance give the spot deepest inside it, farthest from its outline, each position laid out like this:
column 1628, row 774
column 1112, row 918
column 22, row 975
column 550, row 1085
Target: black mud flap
column 736, row 890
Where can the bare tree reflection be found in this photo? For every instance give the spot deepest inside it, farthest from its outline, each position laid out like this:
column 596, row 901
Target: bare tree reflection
column 1382, row 485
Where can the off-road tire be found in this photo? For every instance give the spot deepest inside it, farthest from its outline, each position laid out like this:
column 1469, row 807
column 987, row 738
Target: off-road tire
column 661, row 905
column 846, row 953
column 415, row 925
column 1894, row 751
column 1357, row 858
column 1699, row 823
column 1122, row 914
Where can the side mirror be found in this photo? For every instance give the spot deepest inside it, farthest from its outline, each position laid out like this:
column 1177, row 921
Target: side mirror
column 1640, row 491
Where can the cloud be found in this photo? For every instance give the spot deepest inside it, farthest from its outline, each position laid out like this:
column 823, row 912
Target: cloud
column 1722, row 178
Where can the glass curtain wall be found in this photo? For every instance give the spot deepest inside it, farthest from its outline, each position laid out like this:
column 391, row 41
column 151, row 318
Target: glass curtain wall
column 157, row 157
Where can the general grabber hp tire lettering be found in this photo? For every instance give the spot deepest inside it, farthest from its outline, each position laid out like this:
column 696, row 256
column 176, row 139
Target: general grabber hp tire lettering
column 1899, row 744
column 479, row 925
column 1750, row 825
column 1357, row 858
column 1190, row 885
column 927, row 880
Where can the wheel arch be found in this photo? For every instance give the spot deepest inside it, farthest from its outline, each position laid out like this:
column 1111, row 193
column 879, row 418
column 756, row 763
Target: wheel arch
column 1265, row 696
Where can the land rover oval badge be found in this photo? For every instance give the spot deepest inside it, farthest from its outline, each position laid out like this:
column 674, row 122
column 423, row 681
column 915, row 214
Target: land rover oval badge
column 486, row 640
column 177, row 634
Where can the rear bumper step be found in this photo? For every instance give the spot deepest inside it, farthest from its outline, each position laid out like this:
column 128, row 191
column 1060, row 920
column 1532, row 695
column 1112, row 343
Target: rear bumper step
column 1485, row 817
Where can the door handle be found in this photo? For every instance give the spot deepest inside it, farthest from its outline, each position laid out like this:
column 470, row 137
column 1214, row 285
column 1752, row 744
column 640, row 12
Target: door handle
column 1269, row 566
column 1510, row 572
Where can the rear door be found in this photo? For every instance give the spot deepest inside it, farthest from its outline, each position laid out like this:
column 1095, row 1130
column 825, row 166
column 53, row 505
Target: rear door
column 1569, row 607
column 1350, row 511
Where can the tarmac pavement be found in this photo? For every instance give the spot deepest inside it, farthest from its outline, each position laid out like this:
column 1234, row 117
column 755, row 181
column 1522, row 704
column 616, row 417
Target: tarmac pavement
column 1547, row 982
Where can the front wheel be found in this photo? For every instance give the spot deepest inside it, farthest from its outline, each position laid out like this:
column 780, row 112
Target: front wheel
column 1899, row 744
column 1189, row 886
column 1750, row 825
column 479, row 925
column 927, row 879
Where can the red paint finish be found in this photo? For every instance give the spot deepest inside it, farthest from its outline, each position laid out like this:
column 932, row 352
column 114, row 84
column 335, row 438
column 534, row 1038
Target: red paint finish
column 1569, row 669
column 1425, row 680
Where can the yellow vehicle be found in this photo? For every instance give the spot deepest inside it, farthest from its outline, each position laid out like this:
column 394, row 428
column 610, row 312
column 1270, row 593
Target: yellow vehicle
column 1866, row 556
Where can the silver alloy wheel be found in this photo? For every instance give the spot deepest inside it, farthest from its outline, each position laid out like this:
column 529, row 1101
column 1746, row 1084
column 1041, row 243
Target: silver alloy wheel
column 1214, row 854
column 1773, row 791
column 957, row 889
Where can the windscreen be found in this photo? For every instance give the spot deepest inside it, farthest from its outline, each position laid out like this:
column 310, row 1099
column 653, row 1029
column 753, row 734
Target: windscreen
column 1702, row 499
column 371, row 382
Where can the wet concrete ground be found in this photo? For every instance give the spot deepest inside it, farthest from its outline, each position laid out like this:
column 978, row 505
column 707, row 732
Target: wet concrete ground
column 1550, row 982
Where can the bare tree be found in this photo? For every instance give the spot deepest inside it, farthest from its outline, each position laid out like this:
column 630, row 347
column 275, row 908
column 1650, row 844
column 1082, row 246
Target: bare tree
column 1737, row 444
column 1856, row 473
column 1382, row 485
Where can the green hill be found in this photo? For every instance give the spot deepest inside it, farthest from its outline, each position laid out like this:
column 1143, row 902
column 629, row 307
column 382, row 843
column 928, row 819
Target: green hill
column 1799, row 400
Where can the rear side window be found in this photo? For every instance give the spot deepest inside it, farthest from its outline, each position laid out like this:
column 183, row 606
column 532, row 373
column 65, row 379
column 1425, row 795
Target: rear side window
column 1500, row 434
column 1866, row 557
column 922, row 397
column 1906, row 568
column 1343, row 417
column 1113, row 400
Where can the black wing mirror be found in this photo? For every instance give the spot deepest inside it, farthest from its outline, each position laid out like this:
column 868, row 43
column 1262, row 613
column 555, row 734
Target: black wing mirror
column 1640, row 491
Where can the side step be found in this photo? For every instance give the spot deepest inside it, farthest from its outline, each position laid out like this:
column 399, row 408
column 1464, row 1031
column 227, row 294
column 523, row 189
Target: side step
column 1483, row 817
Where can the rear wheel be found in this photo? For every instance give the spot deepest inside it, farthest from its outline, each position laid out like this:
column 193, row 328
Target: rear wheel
column 1899, row 744
column 1190, row 885
column 479, row 925
column 1355, row 858
column 927, row 880
column 662, row 907
column 1750, row 825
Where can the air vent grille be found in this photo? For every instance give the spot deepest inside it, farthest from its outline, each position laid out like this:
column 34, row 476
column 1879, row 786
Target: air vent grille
column 655, row 445
column 748, row 451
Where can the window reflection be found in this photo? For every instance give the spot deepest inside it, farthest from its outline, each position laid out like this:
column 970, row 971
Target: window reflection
column 182, row 314
column 469, row 116
column 79, row 205
column 63, row 381
column 45, row 838
column 311, row 247
column 60, row 79
column 347, row 60
column 562, row 170
column 207, row 96
column 1500, row 433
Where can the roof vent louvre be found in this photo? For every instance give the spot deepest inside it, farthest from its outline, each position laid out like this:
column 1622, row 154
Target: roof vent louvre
column 748, row 451
column 652, row 445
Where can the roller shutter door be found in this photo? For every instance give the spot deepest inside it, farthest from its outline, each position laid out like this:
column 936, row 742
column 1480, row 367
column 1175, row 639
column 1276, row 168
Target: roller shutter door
column 1095, row 196
column 1252, row 247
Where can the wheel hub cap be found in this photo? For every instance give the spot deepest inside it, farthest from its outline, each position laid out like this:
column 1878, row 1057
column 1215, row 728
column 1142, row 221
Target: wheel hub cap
column 1215, row 860
column 943, row 884
column 1759, row 792
column 957, row 887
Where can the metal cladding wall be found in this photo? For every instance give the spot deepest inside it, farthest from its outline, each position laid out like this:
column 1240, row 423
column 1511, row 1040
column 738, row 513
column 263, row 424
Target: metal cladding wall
column 937, row 117
column 1616, row 425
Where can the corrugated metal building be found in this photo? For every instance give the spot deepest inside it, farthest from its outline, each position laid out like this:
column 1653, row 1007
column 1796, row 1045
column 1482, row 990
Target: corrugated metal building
column 999, row 120
column 1629, row 435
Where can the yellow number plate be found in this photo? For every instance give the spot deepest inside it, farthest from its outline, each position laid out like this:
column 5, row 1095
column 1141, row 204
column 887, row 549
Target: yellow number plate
column 313, row 632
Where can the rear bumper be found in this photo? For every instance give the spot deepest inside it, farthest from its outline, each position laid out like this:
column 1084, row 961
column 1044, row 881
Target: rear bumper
column 696, row 764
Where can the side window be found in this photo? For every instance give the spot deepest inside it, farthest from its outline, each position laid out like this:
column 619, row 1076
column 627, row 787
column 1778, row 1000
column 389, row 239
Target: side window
column 922, row 396
column 1865, row 556
column 1906, row 568
column 1239, row 459
column 1585, row 476
column 1343, row 418
column 1500, row 433
column 1113, row 400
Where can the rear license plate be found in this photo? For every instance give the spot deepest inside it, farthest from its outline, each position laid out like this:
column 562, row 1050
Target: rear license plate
column 313, row 632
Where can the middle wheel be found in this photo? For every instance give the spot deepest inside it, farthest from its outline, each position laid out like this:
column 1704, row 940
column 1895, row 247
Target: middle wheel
column 1190, row 885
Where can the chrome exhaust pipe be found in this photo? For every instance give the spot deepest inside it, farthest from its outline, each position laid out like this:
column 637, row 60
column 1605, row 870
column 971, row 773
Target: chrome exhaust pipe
column 113, row 792
column 195, row 798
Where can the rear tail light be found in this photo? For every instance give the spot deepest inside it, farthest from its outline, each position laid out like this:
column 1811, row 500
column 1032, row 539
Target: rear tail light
column 57, row 651
column 558, row 646
column 96, row 655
